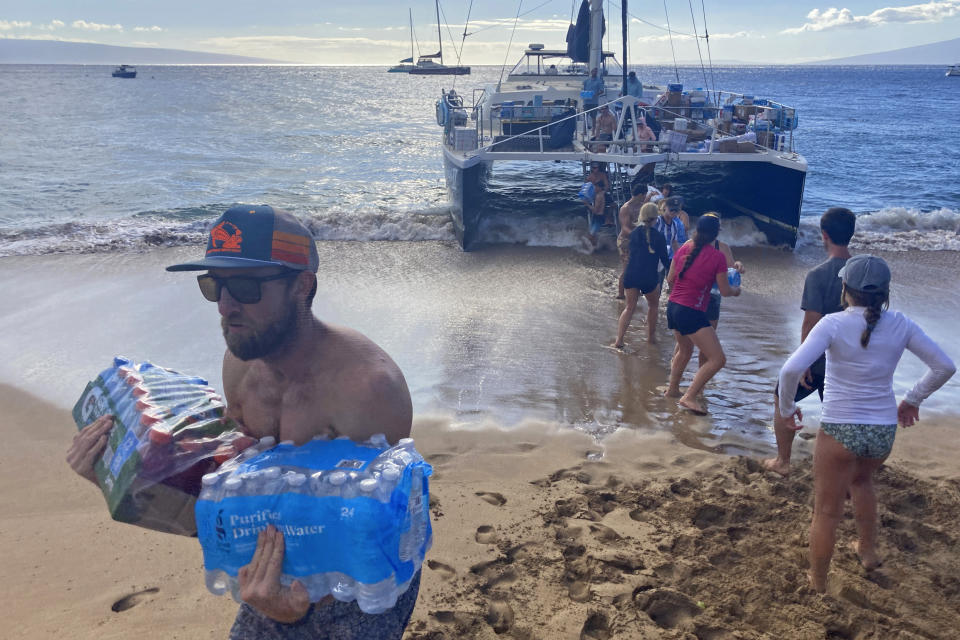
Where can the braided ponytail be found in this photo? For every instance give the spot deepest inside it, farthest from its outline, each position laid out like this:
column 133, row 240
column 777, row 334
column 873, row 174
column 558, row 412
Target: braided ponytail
column 875, row 302
column 704, row 235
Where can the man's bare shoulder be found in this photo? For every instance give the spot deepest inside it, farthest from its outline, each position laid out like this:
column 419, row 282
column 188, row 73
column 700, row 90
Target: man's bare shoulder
column 374, row 396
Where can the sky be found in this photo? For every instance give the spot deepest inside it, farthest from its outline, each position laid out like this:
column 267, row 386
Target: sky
column 377, row 31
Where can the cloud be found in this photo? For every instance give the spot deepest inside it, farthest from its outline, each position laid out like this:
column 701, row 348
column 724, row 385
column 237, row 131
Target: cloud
column 833, row 18
column 54, row 24
column 93, row 26
column 683, row 36
column 153, row 28
column 6, row 25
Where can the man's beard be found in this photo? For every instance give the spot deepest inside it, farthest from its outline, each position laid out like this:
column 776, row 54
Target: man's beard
column 262, row 343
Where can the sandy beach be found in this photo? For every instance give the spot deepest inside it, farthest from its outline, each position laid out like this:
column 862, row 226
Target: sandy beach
column 539, row 533
column 569, row 500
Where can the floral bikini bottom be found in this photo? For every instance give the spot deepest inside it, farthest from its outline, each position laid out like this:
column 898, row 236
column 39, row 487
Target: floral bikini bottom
column 863, row 440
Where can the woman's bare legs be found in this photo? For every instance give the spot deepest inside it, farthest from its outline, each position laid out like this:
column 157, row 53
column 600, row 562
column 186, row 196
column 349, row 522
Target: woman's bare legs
column 833, row 471
column 632, row 297
column 707, row 342
column 865, row 511
column 701, row 358
column 681, row 356
column 653, row 307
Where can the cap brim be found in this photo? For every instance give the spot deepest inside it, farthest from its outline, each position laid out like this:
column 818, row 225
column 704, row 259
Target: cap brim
column 224, row 262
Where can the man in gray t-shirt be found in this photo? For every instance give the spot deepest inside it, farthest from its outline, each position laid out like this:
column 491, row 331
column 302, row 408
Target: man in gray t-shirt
column 822, row 292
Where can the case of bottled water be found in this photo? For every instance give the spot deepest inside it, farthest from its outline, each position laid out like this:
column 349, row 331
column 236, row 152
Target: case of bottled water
column 354, row 517
column 168, row 431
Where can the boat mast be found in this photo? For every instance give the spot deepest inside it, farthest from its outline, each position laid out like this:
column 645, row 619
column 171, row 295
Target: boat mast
column 439, row 37
column 596, row 36
column 623, row 23
column 411, row 33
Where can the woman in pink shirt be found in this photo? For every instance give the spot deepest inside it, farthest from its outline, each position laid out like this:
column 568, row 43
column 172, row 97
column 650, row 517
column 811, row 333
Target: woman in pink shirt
column 696, row 267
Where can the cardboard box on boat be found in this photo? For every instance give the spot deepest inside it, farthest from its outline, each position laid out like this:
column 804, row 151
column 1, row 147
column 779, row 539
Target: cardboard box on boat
column 745, row 147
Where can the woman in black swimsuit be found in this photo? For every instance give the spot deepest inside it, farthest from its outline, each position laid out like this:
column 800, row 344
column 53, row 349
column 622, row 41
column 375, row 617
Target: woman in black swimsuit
column 647, row 248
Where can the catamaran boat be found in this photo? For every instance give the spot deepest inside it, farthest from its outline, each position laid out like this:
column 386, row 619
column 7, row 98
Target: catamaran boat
column 125, row 71
column 953, row 70
column 427, row 65
column 406, row 64
column 725, row 152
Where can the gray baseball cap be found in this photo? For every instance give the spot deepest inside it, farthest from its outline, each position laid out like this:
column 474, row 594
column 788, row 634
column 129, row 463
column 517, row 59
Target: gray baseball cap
column 866, row 273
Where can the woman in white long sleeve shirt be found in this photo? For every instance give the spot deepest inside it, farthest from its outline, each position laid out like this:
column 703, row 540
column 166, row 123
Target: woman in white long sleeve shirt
column 863, row 344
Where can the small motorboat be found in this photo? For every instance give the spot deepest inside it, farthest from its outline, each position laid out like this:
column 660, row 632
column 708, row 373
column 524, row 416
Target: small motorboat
column 125, row 71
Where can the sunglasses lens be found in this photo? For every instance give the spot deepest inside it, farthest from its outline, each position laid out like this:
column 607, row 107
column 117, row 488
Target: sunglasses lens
column 243, row 290
column 209, row 288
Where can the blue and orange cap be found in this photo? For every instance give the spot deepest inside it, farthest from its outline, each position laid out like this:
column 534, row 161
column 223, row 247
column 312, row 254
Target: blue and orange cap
column 257, row 236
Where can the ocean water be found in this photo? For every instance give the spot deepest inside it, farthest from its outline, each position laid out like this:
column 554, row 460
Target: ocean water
column 105, row 181
column 95, row 163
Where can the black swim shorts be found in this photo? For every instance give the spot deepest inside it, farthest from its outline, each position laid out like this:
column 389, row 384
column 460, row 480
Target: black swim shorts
column 713, row 309
column 818, row 371
column 685, row 320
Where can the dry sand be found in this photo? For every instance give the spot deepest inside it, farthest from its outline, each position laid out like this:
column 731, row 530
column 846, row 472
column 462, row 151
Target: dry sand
column 539, row 533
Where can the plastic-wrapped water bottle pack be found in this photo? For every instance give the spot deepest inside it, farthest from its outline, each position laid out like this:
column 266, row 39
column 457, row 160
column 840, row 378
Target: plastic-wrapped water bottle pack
column 354, row 516
column 168, row 431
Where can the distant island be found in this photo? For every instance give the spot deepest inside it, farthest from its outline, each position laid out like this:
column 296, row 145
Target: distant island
column 940, row 53
column 16, row 51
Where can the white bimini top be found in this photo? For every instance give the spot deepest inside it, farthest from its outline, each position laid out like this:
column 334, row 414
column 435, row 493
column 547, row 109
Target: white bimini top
column 859, row 381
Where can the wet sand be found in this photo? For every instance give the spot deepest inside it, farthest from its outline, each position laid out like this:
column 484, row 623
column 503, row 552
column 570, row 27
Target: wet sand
column 570, row 499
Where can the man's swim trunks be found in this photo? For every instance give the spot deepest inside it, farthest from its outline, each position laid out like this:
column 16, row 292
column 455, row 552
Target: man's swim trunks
column 337, row 621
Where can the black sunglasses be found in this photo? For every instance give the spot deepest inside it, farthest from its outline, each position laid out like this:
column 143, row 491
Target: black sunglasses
column 243, row 289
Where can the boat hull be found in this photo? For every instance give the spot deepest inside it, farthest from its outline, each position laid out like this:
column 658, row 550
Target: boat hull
column 768, row 193
column 467, row 191
column 445, row 71
column 124, row 74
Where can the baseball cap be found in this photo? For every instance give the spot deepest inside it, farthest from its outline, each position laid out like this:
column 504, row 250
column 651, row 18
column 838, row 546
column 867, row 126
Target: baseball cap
column 708, row 224
column 866, row 273
column 256, row 236
column 675, row 203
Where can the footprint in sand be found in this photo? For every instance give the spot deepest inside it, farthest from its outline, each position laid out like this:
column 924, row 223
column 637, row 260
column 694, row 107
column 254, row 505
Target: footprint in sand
column 496, row 499
column 132, row 600
column 597, row 627
column 445, row 571
column 486, row 534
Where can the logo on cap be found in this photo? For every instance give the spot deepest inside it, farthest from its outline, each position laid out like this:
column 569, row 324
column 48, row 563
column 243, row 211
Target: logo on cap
column 226, row 237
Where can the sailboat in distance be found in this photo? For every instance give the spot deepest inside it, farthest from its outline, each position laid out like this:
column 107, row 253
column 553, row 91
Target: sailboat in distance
column 426, row 66
column 407, row 63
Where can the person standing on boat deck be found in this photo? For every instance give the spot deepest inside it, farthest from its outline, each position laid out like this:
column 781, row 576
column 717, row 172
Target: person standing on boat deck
column 551, row 70
column 863, row 345
column 633, row 87
column 595, row 84
column 648, row 249
column 696, row 266
column 605, row 127
column 821, row 297
column 288, row 375
column 629, row 212
column 673, row 231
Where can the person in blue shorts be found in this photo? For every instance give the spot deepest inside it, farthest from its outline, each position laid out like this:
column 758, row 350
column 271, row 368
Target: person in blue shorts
column 863, row 344
column 289, row 375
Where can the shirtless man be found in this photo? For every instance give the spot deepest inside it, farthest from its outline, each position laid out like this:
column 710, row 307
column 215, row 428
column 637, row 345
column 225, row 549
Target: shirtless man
column 629, row 212
column 288, row 375
column 605, row 127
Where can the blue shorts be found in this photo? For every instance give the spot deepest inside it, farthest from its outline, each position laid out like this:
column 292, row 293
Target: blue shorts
column 863, row 440
column 336, row 621
column 713, row 309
